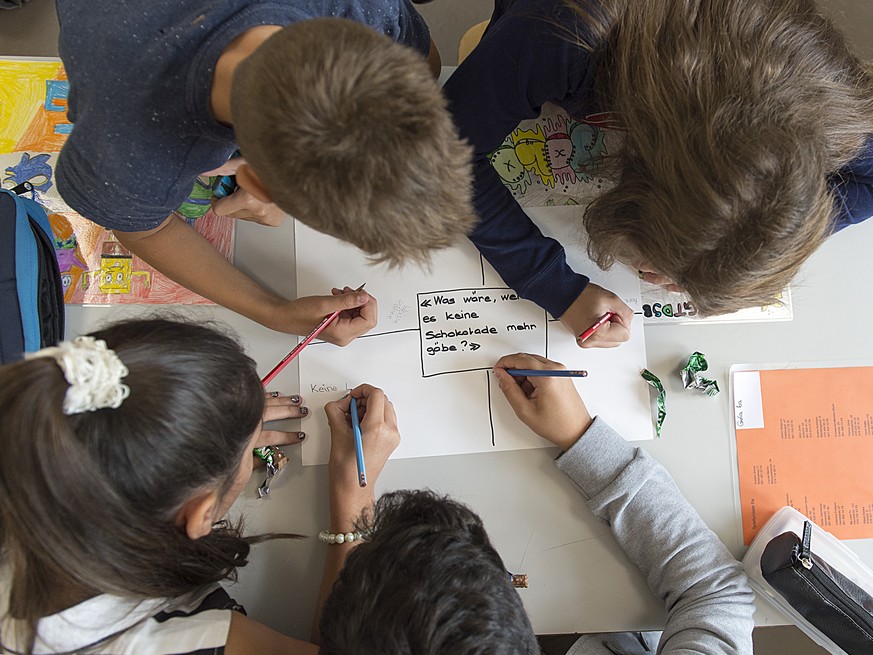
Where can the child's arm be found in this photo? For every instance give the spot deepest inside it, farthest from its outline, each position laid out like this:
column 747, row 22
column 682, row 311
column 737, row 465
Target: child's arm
column 183, row 255
column 853, row 186
column 248, row 637
column 709, row 603
column 348, row 500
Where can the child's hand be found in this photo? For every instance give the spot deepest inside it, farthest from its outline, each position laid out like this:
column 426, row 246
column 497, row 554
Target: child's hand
column 379, row 435
column 276, row 407
column 550, row 406
column 589, row 307
column 243, row 205
column 358, row 314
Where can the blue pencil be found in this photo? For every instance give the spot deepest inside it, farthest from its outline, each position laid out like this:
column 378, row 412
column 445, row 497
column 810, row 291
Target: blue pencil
column 539, row 373
column 359, row 446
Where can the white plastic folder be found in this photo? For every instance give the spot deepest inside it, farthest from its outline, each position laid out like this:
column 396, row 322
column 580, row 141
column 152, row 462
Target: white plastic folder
column 440, row 332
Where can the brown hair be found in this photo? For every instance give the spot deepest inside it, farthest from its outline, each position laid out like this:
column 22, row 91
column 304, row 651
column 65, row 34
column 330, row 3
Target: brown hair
column 736, row 112
column 350, row 134
column 88, row 502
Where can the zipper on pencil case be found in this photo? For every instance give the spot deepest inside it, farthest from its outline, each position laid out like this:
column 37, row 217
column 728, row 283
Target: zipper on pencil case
column 805, row 566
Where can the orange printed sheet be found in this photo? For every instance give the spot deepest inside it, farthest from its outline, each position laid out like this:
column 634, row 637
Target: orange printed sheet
column 804, row 438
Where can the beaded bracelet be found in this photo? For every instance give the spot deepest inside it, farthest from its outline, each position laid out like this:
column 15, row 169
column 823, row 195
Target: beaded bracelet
column 341, row 538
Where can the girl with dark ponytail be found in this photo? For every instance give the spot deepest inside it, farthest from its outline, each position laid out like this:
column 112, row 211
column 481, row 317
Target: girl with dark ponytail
column 122, row 451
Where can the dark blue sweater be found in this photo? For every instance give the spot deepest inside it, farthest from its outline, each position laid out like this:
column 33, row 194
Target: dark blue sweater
column 527, row 58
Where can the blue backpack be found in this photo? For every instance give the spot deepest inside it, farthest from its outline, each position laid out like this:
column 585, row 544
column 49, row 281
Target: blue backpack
column 31, row 292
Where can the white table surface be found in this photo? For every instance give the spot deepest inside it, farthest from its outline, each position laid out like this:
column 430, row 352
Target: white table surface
column 580, row 581
column 528, row 507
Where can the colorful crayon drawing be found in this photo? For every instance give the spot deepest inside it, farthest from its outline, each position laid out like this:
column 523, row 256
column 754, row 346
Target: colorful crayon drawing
column 95, row 267
column 553, row 159
column 662, row 307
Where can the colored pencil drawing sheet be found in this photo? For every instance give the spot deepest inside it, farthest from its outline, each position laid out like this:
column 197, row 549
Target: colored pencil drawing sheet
column 95, row 267
column 661, row 307
column 804, row 438
column 439, row 334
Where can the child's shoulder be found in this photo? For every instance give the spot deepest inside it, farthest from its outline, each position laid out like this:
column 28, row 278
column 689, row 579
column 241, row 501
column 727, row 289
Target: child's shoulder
column 123, row 626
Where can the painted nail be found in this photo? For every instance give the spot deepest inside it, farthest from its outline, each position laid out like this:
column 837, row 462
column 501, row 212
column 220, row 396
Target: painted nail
column 295, row 399
column 304, row 410
column 274, row 394
column 301, row 436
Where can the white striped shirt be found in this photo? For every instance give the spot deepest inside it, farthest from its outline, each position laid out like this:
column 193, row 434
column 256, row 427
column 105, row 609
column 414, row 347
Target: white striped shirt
column 197, row 624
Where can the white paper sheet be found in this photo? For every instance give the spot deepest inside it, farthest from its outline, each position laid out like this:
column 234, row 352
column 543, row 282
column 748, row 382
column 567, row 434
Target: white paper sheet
column 439, row 334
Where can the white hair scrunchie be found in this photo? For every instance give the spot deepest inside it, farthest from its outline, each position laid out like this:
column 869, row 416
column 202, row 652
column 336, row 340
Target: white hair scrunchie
column 93, row 372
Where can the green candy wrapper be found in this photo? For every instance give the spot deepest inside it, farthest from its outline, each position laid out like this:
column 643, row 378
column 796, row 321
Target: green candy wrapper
column 692, row 379
column 653, row 380
column 275, row 460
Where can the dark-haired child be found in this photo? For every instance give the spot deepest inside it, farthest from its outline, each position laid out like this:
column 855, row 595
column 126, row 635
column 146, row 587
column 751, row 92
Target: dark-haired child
column 427, row 580
column 122, row 452
column 745, row 141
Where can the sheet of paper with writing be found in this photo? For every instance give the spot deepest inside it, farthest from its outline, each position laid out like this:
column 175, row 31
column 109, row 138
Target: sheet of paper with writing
column 804, row 437
column 440, row 332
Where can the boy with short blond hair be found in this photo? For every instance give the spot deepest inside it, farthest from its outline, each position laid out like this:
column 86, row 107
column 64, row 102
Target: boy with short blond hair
column 376, row 157
column 151, row 103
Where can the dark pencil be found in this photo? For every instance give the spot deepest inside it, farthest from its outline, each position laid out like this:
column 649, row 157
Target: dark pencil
column 535, row 372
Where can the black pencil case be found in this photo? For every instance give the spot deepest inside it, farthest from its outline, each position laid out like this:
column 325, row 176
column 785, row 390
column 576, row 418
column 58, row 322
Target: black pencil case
column 816, row 592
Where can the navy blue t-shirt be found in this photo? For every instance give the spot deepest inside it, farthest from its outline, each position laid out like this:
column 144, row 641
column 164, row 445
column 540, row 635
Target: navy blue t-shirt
column 140, row 81
column 525, row 59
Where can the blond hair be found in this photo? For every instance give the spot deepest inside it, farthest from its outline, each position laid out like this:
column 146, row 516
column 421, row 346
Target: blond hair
column 736, row 113
column 350, row 134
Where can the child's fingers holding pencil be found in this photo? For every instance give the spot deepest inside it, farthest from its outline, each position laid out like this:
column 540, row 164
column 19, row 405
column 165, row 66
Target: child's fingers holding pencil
column 380, row 436
column 378, row 409
column 514, row 390
column 358, row 313
column 548, row 405
column 337, row 412
column 529, row 361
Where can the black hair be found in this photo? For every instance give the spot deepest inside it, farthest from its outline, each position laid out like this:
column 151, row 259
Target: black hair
column 427, row 581
column 88, row 502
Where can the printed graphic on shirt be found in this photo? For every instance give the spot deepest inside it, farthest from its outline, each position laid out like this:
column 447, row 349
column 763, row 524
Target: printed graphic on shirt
column 554, row 159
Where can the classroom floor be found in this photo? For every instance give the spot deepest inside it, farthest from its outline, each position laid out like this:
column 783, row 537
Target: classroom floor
column 32, row 30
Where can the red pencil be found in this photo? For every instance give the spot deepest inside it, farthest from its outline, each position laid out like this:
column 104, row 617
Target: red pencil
column 309, row 337
column 603, row 320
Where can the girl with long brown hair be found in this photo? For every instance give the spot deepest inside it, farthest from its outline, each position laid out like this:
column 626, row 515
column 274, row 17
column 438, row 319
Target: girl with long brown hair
column 745, row 141
column 122, row 452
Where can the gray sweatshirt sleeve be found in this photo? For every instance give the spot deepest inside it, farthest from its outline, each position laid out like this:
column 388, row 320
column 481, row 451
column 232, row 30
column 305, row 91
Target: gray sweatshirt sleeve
column 706, row 594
